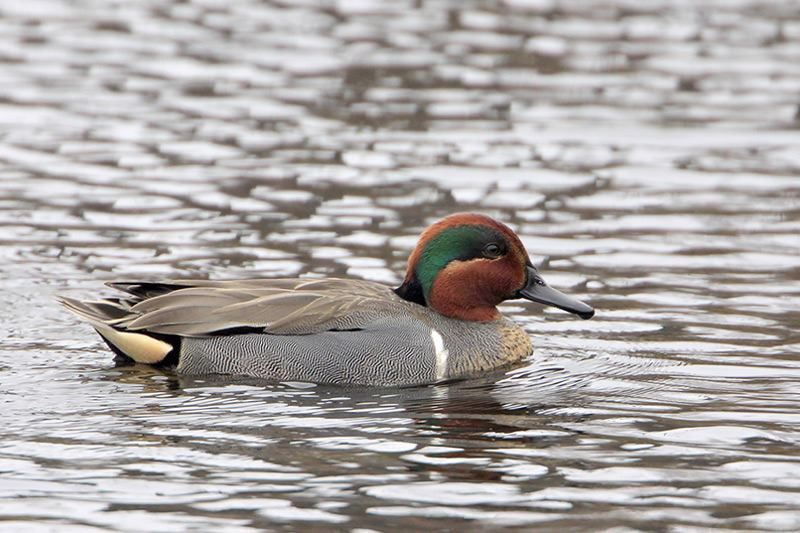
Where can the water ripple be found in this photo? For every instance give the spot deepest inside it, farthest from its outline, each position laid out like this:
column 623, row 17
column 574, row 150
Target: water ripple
column 645, row 152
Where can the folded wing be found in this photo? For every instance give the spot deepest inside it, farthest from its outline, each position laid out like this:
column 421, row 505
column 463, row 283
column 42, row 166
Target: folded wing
column 278, row 306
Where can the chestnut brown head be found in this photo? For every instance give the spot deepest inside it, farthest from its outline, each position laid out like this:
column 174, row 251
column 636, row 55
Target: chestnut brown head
column 466, row 264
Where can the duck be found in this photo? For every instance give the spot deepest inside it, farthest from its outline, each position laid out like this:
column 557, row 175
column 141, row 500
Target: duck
column 440, row 324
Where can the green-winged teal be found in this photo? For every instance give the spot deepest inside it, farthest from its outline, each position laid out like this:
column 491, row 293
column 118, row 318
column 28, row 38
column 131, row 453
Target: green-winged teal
column 442, row 323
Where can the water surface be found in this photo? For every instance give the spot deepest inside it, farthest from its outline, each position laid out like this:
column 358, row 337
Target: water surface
column 647, row 153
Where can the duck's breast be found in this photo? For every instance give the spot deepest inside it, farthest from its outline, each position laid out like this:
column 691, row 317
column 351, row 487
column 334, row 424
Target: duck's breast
column 474, row 348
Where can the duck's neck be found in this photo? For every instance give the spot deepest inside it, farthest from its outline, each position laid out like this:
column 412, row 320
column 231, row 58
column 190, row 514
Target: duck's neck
column 464, row 304
column 471, row 314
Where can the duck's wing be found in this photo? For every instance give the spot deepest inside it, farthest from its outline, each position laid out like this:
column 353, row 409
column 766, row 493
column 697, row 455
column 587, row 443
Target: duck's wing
column 280, row 306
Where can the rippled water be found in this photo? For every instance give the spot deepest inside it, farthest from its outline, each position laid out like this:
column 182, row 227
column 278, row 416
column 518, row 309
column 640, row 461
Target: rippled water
column 647, row 152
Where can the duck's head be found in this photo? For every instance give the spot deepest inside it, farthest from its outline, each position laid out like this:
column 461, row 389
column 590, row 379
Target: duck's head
column 467, row 263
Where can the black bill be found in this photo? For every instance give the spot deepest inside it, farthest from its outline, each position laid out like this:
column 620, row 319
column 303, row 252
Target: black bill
column 537, row 290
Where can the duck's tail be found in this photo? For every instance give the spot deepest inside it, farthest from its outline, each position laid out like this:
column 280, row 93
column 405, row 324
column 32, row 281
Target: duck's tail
column 141, row 346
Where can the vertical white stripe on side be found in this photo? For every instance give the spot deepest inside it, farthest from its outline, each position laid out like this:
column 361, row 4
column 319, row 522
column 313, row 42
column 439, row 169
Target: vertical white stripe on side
column 441, row 354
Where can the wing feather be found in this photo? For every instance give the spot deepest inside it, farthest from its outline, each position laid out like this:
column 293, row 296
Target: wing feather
column 284, row 305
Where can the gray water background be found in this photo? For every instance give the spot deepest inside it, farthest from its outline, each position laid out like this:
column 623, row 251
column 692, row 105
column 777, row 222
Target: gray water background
column 648, row 153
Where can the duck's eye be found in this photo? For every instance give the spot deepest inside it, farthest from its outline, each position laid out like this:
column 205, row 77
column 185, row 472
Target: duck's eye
column 492, row 250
